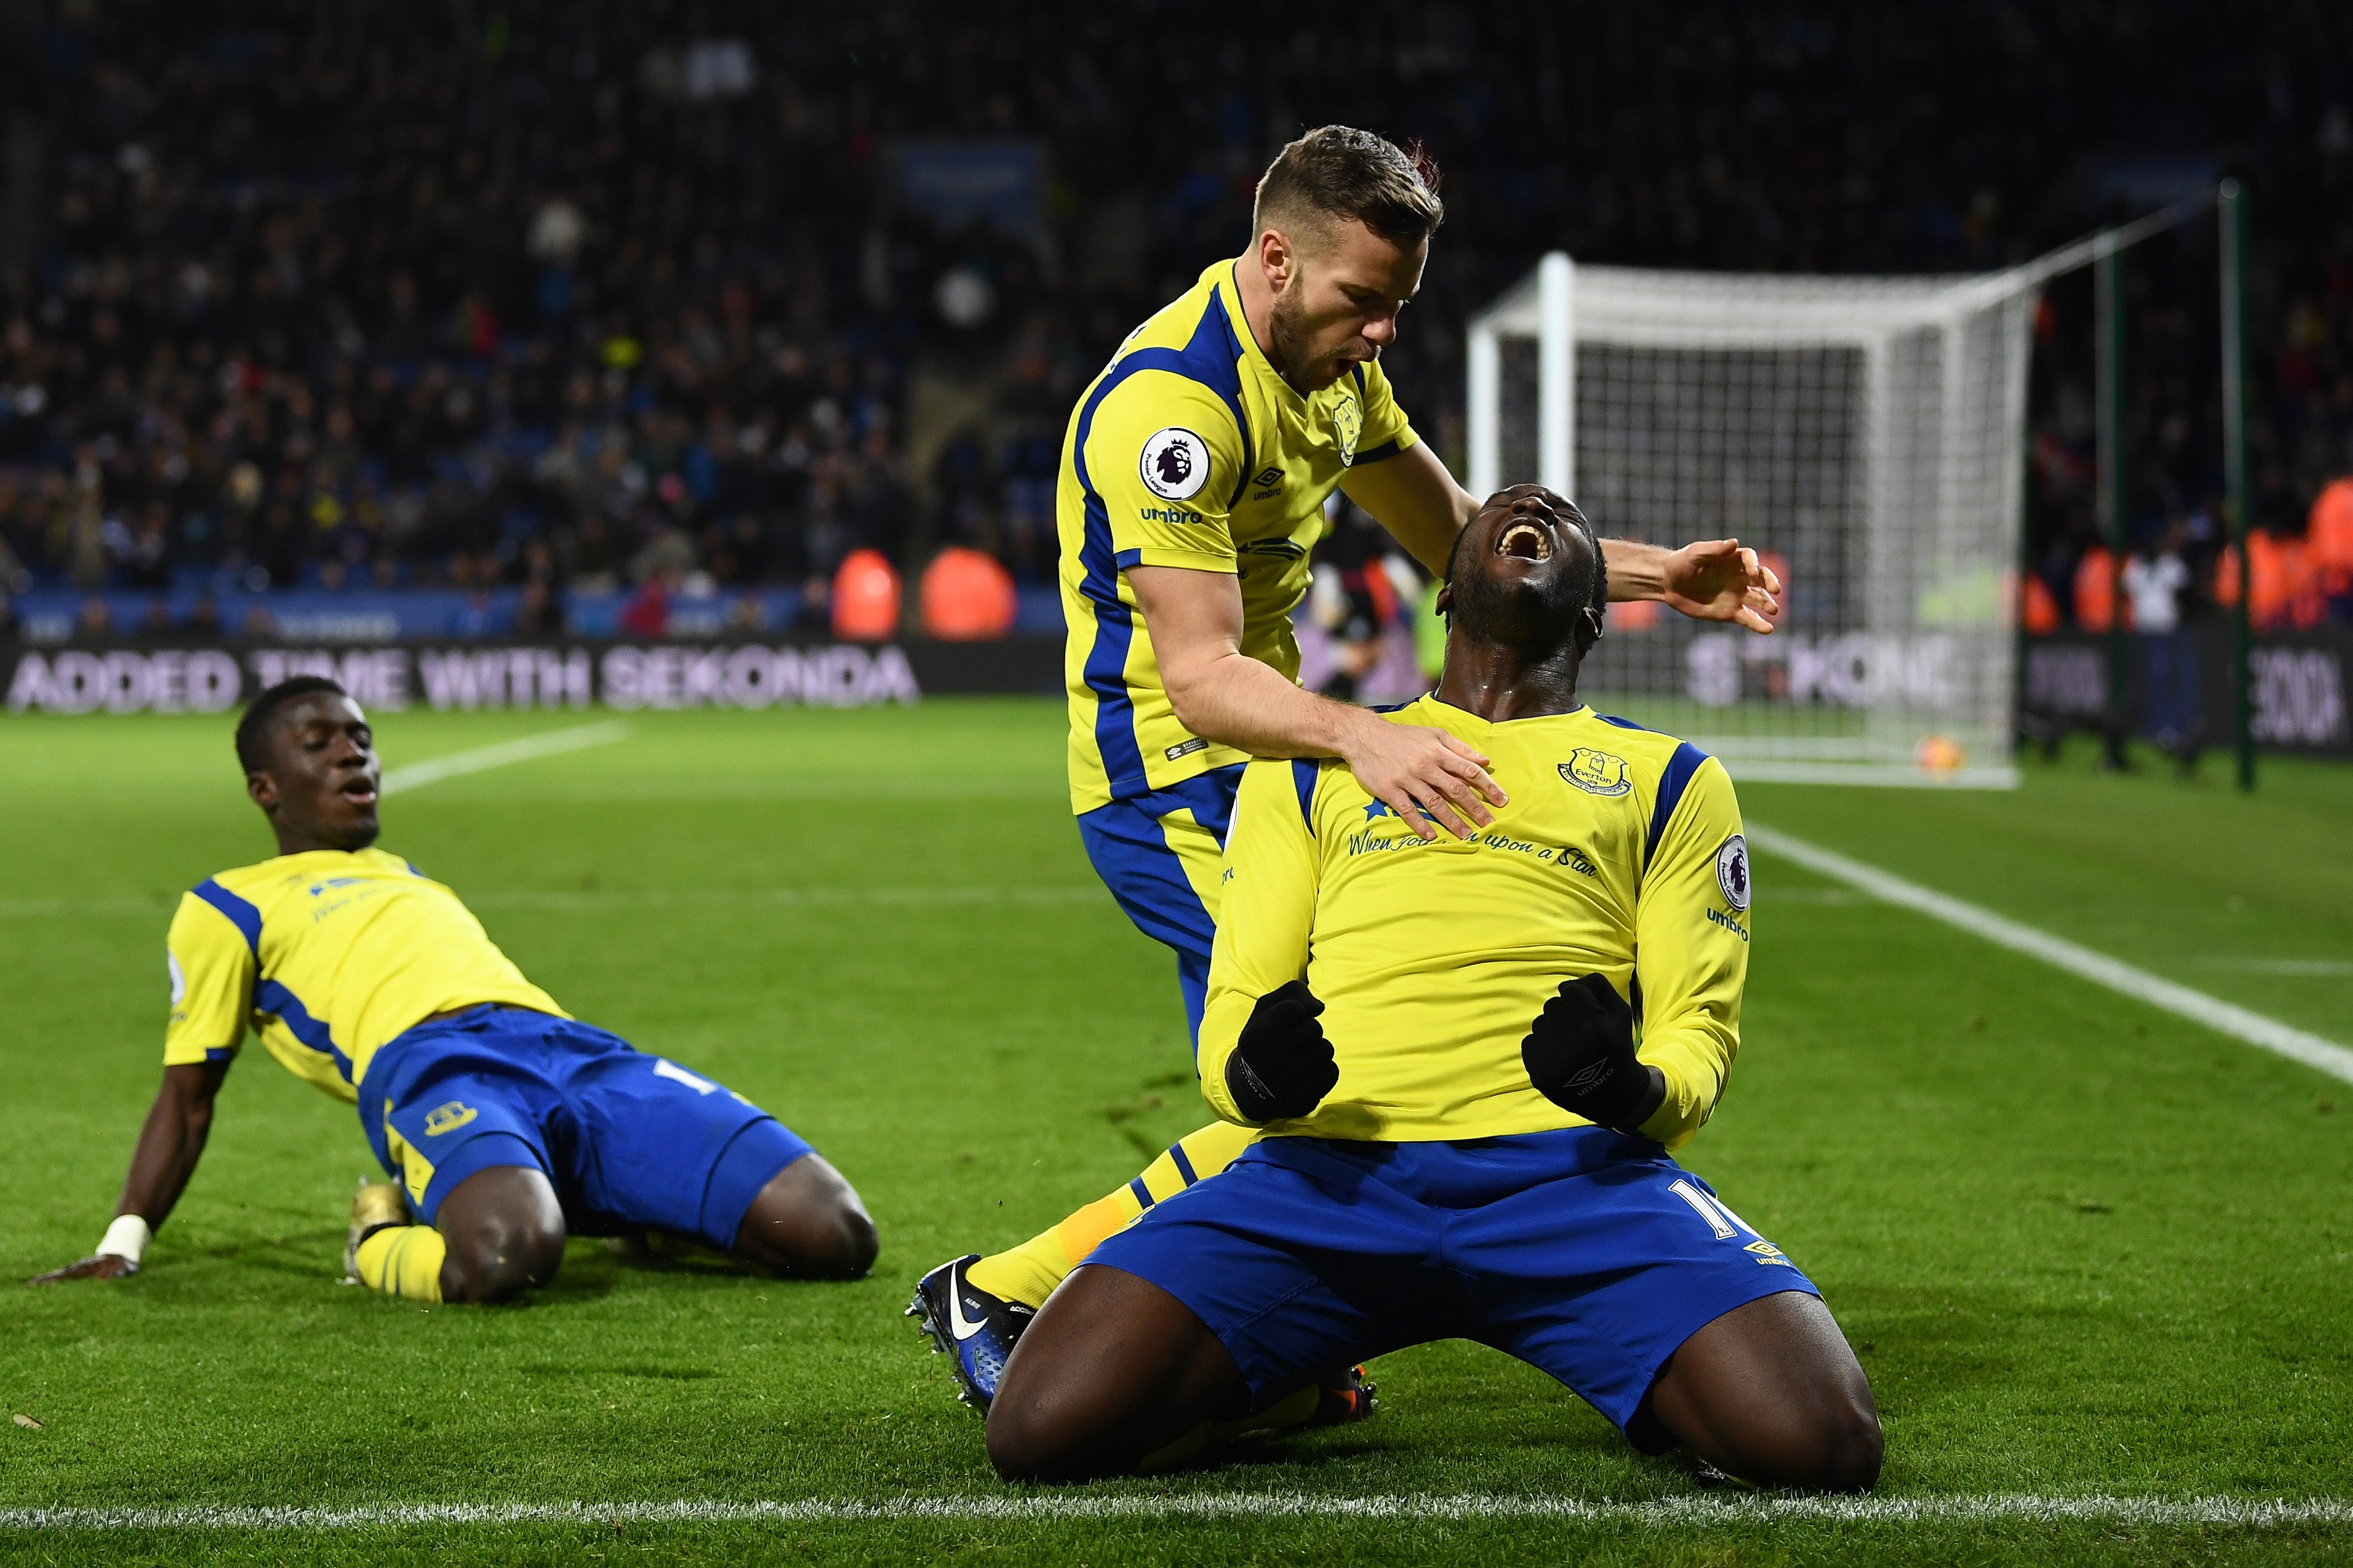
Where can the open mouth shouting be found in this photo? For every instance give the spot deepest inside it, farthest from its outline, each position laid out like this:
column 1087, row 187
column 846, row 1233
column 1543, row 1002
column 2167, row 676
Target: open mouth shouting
column 1524, row 540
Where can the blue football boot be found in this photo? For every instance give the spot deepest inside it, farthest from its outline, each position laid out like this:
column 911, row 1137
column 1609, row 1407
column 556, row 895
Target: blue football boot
column 974, row 1330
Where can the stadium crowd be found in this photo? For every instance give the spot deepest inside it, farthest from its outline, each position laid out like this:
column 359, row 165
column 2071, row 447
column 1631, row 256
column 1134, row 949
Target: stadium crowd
column 612, row 300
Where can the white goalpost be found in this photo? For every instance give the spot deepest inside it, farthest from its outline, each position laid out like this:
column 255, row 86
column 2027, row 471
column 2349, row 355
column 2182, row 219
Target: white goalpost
column 1868, row 432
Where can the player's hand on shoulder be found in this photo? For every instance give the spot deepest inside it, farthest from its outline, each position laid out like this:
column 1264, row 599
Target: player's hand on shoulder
column 1282, row 1067
column 1426, row 776
column 1721, row 579
column 98, row 1266
column 1579, row 1054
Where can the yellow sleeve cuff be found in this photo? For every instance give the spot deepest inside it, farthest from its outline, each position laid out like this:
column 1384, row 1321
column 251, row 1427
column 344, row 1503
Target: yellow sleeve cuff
column 1680, row 1114
column 1218, row 1043
column 180, row 1055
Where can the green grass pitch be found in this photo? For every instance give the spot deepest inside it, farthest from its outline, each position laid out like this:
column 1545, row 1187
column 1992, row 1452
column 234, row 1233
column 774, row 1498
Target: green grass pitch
column 2084, row 1249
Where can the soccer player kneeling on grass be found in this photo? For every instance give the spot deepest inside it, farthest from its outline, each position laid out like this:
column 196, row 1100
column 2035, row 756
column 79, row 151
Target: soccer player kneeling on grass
column 505, row 1122
column 1193, row 484
column 1469, row 1059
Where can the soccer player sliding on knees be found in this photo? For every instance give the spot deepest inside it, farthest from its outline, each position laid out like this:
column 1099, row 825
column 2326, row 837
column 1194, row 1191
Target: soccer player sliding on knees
column 1193, row 482
column 504, row 1123
column 1465, row 1120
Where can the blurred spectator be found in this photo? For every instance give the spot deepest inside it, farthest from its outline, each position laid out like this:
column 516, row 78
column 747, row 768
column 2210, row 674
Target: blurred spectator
column 865, row 599
column 537, row 612
column 345, row 296
column 1360, row 588
column 967, row 596
column 2154, row 582
column 646, row 614
column 2094, row 595
column 2328, row 532
column 747, row 616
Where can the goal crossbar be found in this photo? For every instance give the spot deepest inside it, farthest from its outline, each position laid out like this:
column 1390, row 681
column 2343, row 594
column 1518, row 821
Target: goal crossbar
column 1871, row 429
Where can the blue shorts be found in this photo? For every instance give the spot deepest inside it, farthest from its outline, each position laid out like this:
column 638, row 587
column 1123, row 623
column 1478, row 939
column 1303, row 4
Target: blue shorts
column 1159, row 856
column 631, row 1141
column 1585, row 1253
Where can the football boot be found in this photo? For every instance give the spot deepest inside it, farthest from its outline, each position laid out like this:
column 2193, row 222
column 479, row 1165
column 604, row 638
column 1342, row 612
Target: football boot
column 974, row 1330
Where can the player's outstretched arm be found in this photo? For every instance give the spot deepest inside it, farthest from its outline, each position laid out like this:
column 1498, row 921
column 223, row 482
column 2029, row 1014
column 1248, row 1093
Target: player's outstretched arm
column 1414, row 496
column 169, row 1147
column 1708, row 580
column 1222, row 694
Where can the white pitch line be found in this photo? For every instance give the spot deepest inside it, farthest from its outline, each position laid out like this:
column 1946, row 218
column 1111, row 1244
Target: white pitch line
column 2140, row 984
column 433, row 770
column 2253, row 1513
column 554, row 742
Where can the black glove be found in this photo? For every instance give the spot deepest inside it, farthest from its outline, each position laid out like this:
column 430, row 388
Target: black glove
column 1579, row 1053
column 1282, row 1066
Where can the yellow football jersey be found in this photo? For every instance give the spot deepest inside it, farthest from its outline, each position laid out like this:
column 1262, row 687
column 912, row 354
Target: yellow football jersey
column 330, row 955
column 1189, row 451
column 1620, row 853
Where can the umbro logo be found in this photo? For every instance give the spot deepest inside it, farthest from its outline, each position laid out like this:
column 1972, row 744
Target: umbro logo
column 1270, row 475
column 1591, row 1078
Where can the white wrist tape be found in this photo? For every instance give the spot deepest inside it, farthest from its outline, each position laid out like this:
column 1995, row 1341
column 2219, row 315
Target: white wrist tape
column 127, row 1239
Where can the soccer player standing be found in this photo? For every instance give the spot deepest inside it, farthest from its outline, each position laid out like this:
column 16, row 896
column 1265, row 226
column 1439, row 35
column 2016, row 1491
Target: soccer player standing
column 1193, row 481
column 1469, row 1060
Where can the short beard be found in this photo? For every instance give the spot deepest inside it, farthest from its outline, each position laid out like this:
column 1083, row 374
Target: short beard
column 1286, row 325
column 1536, row 620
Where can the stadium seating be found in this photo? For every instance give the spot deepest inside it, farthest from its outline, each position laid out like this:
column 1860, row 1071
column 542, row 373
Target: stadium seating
column 563, row 315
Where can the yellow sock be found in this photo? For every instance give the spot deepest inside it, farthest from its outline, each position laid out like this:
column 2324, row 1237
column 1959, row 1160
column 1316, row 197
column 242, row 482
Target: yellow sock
column 1028, row 1273
column 1297, row 1410
column 403, row 1260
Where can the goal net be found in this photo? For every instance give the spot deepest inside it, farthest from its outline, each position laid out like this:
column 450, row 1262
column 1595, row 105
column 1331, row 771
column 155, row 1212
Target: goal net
column 1867, row 433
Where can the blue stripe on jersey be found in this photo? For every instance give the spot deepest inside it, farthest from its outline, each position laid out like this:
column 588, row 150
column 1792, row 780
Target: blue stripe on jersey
column 1184, row 1165
column 1211, row 359
column 1304, row 773
column 242, row 915
column 1672, row 785
column 1622, row 724
column 272, row 998
column 1227, row 381
column 1363, row 400
column 1365, row 396
column 1143, row 1194
column 1210, row 796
